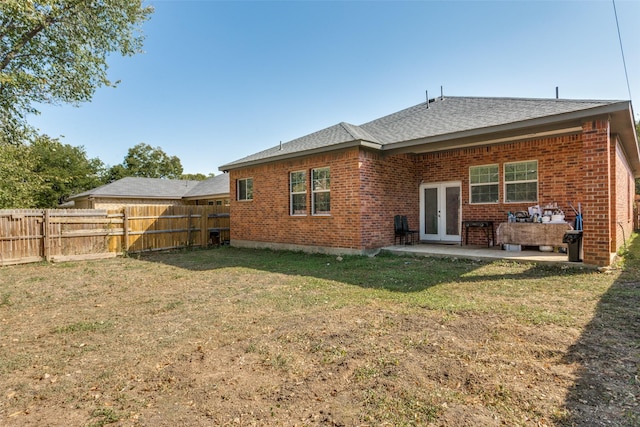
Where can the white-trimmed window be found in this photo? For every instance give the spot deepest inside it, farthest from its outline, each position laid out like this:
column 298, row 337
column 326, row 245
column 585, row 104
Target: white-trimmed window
column 298, row 192
column 483, row 184
column 321, row 191
column 521, row 181
column 245, row 189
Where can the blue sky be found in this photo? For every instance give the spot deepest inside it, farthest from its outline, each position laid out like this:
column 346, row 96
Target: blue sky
column 220, row 80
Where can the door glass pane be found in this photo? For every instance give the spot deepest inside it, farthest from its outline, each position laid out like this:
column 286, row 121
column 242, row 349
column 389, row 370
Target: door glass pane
column 431, row 211
column 452, row 209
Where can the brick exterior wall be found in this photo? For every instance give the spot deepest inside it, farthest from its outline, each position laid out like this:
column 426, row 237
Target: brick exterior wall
column 596, row 206
column 388, row 187
column 559, row 175
column 623, row 191
column 369, row 187
column 266, row 218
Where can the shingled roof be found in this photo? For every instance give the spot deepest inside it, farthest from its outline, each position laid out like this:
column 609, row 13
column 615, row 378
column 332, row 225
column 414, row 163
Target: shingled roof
column 156, row 188
column 214, row 186
column 438, row 120
column 142, row 187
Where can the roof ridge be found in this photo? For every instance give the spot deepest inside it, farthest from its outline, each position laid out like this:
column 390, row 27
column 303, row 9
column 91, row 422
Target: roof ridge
column 515, row 98
column 358, row 133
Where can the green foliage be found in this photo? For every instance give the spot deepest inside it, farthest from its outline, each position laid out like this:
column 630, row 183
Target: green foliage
column 104, row 416
column 44, row 173
column 55, row 51
column 18, row 184
column 196, row 176
column 145, row 161
column 83, row 327
column 64, row 170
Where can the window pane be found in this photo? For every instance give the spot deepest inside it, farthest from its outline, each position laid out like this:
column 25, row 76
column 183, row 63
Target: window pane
column 484, row 174
column 484, row 184
column 298, row 186
column 522, row 181
column 322, row 203
column 484, row 193
column 298, row 182
column 245, row 189
column 298, row 204
column 523, row 171
column 431, row 211
column 249, row 189
column 242, row 189
column 321, row 179
column 321, row 185
column 452, row 211
column 522, row 192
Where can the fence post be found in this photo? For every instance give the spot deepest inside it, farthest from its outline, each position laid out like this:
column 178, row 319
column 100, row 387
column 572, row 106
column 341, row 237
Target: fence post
column 189, row 228
column 125, row 226
column 45, row 236
column 204, row 233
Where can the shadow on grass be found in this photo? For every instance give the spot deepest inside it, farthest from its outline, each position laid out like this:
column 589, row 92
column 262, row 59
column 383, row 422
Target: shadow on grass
column 390, row 272
column 607, row 390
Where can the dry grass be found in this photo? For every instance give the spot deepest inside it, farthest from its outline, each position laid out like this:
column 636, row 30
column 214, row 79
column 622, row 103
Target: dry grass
column 241, row 337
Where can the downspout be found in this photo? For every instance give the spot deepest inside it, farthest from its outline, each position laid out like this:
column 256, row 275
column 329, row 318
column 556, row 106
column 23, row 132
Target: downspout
column 624, row 239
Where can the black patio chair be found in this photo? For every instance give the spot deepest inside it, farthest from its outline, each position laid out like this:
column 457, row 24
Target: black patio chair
column 399, row 230
column 407, row 231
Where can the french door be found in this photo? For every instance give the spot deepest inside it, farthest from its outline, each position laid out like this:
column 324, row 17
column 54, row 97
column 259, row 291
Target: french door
column 440, row 212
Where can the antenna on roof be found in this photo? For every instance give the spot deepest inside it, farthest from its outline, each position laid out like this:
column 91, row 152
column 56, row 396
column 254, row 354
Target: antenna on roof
column 426, row 92
column 557, row 93
column 441, row 94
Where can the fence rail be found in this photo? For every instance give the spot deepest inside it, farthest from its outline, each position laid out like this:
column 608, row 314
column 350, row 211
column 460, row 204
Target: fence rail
column 33, row 235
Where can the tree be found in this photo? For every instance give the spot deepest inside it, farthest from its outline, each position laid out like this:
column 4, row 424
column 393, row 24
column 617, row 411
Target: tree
column 45, row 173
column 55, row 51
column 18, row 185
column 64, row 170
column 196, row 176
column 145, row 161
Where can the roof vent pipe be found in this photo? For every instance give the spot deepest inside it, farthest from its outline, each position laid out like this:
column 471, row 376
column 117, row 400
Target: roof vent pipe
column 441, row 94
column 557, row 93
column 426, row 92
column 280, row 145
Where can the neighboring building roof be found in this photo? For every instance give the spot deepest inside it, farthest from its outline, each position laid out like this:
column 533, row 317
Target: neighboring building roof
column 148, row 188
column 215, row 186
column 445, row 119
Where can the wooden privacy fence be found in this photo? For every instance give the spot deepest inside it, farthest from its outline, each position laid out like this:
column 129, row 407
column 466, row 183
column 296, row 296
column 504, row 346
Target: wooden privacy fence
column 33, row 235
column 152, row 228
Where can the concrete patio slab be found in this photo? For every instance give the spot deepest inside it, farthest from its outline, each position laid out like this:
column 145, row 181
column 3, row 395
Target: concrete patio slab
column 482, row 252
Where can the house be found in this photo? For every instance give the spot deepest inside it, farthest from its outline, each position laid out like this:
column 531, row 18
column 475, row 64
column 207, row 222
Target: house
column 211, row 191
column 442, row 162
column 154, row 191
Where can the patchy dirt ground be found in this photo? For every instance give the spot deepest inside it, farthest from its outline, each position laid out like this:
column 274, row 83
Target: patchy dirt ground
column 218, row 338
